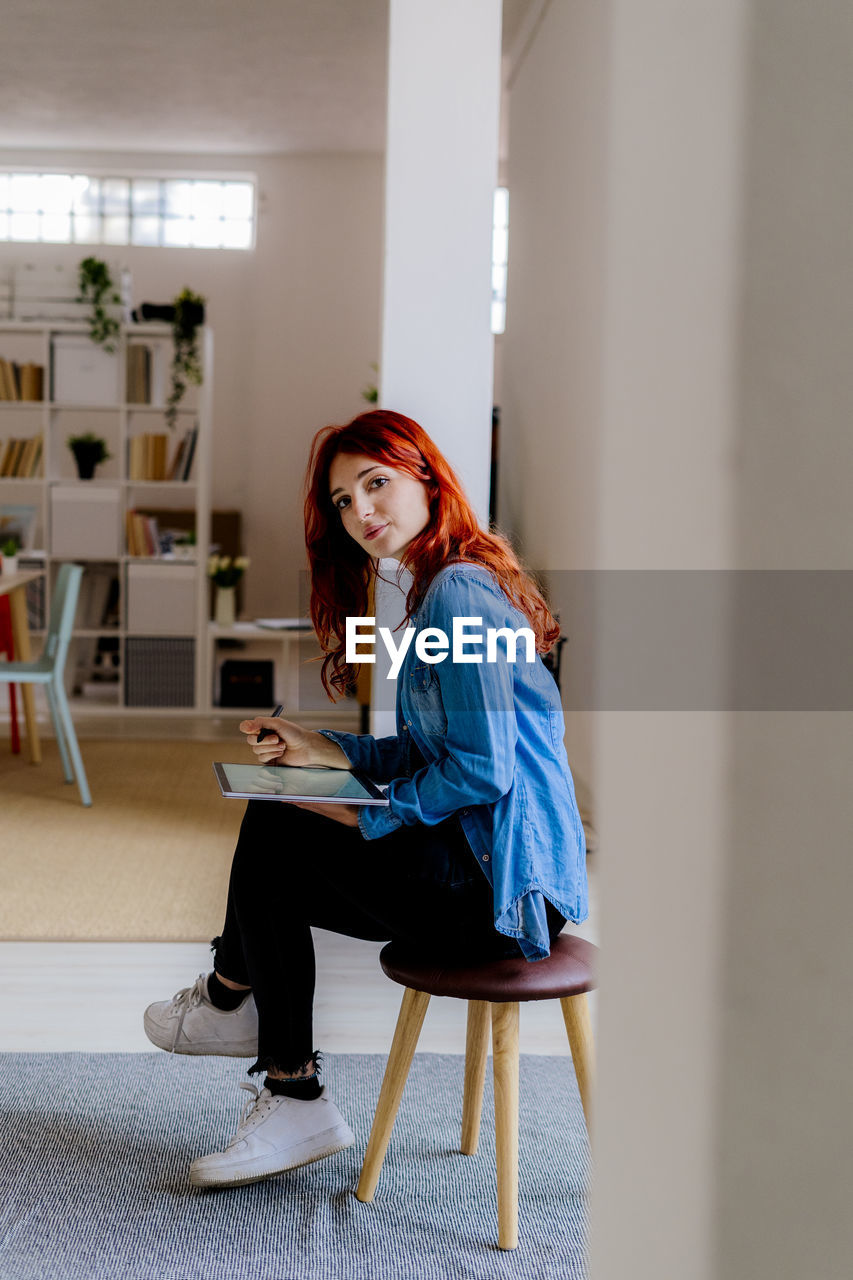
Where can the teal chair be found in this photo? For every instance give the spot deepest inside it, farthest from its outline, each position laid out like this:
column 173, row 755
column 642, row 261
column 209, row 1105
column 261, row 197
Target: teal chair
column 49, row 670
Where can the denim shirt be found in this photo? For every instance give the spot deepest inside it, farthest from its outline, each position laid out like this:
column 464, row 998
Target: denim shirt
column 488, row 738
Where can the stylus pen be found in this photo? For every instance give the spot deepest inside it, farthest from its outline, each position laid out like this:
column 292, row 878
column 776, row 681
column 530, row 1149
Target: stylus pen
column 264, row 732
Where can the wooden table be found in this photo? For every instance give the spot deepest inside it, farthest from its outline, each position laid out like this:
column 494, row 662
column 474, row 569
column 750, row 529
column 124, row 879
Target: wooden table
column 14, row 585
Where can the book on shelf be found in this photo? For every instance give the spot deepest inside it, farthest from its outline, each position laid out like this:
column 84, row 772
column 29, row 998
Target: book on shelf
column 32, row 382
column 191, row 438
column 9, row 455
column 182, row 458
column 146, row 370
column 143, row 535
column 20, row 458
column 147, row 456
column 32, row 457
column 178, row 459
column 138, row 390
column 16, row 453
column 8, row 387
column 21, row 381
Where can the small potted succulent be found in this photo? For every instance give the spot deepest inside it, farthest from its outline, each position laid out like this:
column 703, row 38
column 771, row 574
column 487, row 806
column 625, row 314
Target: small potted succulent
column 9, row 552
column 89, row 452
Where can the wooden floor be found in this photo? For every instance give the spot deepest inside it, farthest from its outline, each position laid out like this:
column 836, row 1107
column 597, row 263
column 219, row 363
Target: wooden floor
column 89, row 996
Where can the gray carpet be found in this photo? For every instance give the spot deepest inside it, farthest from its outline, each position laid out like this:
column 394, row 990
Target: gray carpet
column 93, row 1177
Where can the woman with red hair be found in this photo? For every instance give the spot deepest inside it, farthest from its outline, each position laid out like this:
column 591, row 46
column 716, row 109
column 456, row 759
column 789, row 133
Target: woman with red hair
column 480, row 850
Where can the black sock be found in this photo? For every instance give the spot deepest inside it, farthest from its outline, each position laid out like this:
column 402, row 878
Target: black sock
column 306, row 1089
column 222, row 997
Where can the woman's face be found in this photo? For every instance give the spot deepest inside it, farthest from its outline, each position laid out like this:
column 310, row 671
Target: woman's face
column 381, row 507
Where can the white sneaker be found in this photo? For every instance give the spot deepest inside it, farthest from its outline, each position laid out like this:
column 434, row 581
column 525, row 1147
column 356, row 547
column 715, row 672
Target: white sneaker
column 275, row 1133
column 189, row 1023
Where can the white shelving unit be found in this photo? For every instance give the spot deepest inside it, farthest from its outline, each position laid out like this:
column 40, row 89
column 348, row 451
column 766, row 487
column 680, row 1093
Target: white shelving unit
column 161, row 600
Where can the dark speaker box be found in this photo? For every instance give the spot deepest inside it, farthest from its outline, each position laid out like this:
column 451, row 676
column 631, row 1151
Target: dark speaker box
column 244, row 683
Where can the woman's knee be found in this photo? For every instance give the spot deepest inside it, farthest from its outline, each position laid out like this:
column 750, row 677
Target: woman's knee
column 271, row 849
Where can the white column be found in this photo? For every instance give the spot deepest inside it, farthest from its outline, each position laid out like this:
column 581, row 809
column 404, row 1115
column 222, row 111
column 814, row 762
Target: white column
column 665, row 502
column 441, row 172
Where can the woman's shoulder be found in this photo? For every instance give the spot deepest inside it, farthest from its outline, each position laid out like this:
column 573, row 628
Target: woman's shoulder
column 462, row 579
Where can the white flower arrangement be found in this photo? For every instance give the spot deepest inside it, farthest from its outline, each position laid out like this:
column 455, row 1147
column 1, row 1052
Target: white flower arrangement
column 226, row 572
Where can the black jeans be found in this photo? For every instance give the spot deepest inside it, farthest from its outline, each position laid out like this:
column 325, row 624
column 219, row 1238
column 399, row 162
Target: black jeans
column 420, row 886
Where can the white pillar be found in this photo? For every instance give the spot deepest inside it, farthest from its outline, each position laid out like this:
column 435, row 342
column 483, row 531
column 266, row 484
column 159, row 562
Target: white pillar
column 665, row 502
column 441, row 172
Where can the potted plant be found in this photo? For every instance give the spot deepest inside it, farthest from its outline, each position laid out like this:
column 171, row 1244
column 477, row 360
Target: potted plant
column 98, row 288
column 225, row 573
column 9, row 552
column 89, row 451
column 186, row 361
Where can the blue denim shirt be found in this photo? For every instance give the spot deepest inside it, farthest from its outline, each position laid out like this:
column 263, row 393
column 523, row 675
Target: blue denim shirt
column 491, row 737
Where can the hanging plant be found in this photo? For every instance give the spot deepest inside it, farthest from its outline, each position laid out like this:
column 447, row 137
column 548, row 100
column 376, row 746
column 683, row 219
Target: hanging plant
column 370, row 393
column 186, row 361
column 97, row 287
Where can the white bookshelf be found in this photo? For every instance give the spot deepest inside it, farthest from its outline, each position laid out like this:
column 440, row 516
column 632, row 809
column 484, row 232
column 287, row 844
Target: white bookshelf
column 74, row 518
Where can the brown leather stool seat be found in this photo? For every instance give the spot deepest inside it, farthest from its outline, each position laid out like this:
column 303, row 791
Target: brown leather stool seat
column 493, row 991
column 568, row 971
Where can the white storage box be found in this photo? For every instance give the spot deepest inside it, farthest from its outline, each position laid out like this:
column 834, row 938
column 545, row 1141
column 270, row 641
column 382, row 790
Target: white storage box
column 82, row 372
column 84, row 521
column 161, row 599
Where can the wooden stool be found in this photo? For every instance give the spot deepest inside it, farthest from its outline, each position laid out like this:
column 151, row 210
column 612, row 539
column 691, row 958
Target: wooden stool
column 498, row 988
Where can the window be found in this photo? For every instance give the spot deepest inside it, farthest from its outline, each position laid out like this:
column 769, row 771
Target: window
column 77, row 208
column 500, row 243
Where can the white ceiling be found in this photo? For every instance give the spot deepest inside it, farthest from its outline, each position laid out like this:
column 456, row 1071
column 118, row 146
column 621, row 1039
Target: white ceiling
column 206, row 76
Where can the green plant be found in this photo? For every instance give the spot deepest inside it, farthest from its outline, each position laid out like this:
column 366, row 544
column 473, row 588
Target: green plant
column 186, row 361
column 90, row 445
column 9, row 546
column 225, row 572
column 97, row 287
column 370, row 393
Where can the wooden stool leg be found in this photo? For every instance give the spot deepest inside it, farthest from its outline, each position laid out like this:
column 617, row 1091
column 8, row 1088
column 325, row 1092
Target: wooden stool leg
column 476, row 1050
column 409, row 1023
column 505, row 1061
column 579, row 1030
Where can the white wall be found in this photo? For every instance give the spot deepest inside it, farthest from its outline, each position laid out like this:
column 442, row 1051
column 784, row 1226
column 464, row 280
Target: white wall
column 619, row 366
column 674, row 171
column 549, row 360
column 724, row 1126
column 296, row 324
column 786, row 1101
column 318, row 282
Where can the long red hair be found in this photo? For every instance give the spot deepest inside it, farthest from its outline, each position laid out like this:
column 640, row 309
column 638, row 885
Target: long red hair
column 341, row 570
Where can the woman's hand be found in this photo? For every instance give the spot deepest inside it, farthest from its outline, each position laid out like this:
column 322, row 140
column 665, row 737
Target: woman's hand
column 347, row 814
column 289, row 743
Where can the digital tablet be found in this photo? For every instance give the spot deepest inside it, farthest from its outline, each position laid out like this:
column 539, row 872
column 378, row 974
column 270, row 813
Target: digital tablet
column 286, row 782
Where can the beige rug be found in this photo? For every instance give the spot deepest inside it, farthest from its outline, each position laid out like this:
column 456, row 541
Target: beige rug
column 149, row 861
